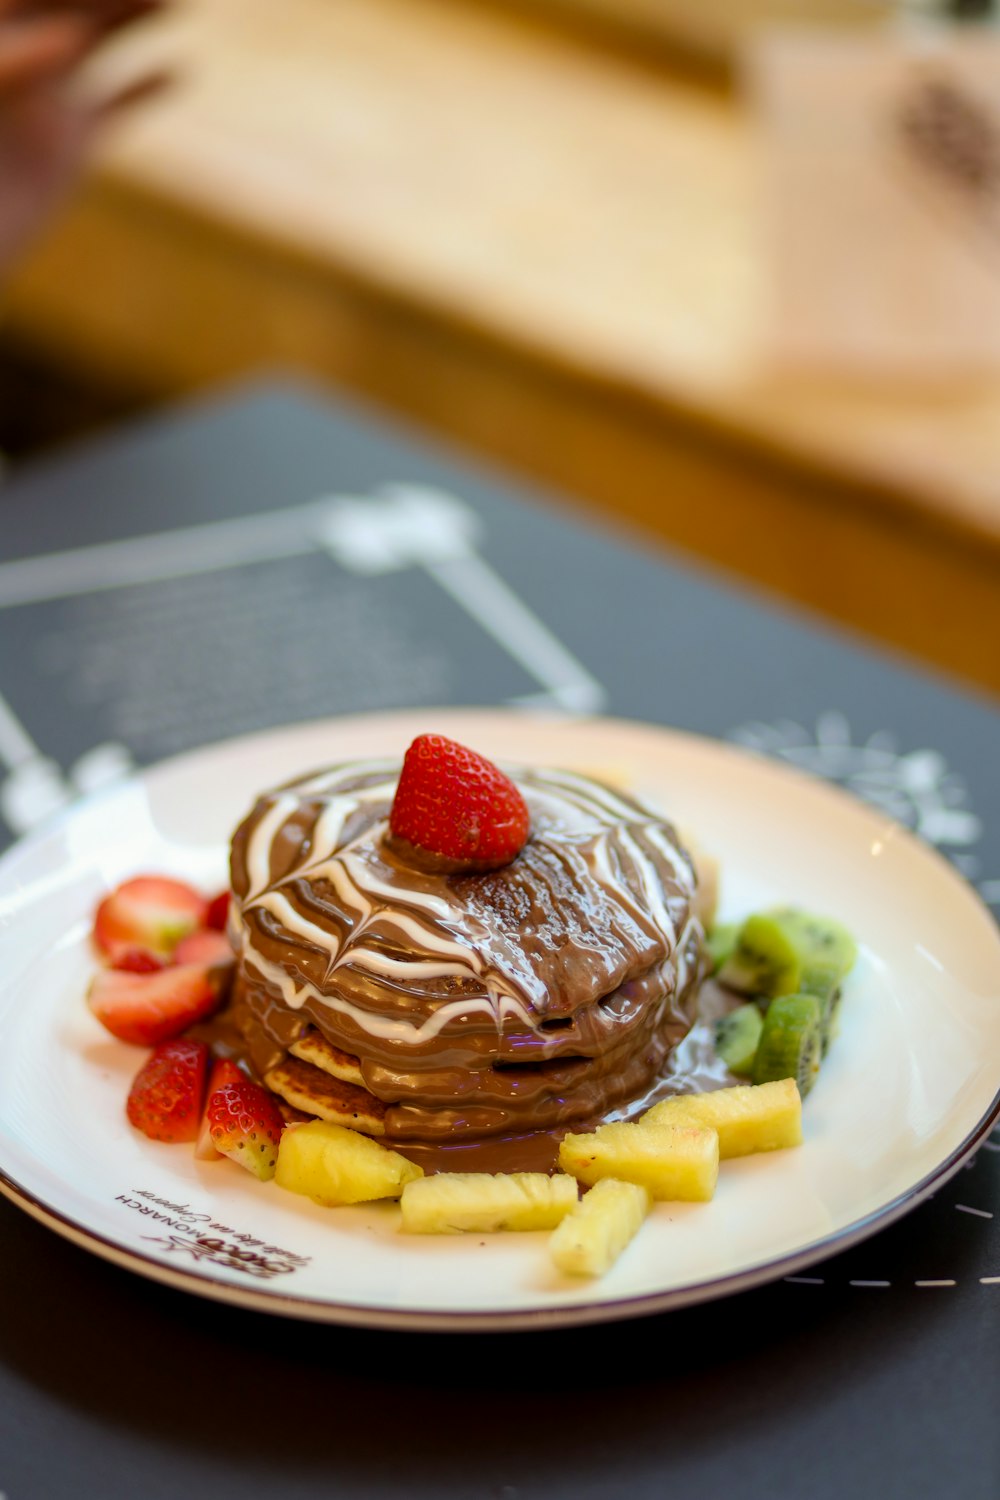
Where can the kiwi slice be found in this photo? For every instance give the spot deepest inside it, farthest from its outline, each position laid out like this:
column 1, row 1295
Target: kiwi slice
column 830, row 1018
column 720, row 943
column 736, row 1037
column 826, row 949
column 765, row 960
column 791, row 1042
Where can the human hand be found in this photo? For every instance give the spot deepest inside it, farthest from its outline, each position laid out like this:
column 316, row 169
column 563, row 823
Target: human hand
column 45, row 129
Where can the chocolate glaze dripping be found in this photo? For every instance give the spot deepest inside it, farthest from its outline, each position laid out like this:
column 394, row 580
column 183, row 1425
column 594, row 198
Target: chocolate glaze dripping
column 489, row 1012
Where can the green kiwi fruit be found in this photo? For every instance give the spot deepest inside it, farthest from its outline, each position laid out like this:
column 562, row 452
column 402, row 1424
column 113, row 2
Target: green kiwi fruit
column 826, row 949
column 764, row 960
column 720, row 942
column 791, row 1042
column 736, row 1037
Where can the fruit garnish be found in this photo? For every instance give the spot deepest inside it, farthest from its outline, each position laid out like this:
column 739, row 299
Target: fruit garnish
column 244, row 1123
column 150, row 911
column 673, row 1161
column 484, row 1202
column 224, row 1071
column 455, row 810
column 334, row 1165
column 784, row 951
column 827, row 950
column 737, row 1036
column 151, row 1008
column 720, row 942
column 764, row 959
column 591, row 1238
column 164, row 1101
column 206, row 946
column 217, row 912
column 748, row 1119
column 791, row 1042
column 137, row 961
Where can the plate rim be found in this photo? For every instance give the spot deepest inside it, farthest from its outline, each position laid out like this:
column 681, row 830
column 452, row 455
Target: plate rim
column 565, row 1314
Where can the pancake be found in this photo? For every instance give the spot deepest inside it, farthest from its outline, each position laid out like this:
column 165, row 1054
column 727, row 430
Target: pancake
column 317, row 1093
column 434, row 1008
column 313, row 1047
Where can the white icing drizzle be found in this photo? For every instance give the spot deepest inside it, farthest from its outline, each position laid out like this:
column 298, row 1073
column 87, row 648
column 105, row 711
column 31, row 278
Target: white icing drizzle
column 388, row 1028
column 259, row 848
column 441, row 936
column 436, row 942
column 651, row 884
column 400, row 968
column 684, row 951
column 284, row 912
column 326, row 836
column 367, row 881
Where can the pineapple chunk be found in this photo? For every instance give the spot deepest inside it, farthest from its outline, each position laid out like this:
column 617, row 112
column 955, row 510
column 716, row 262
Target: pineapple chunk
column 334, row 1165
column 478, row 1202
column 752, row 1117
column 591, row 1238
column 672, row 1161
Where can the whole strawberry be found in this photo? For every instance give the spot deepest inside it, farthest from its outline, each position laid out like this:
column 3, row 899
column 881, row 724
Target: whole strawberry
column 454, row 810
column 244, row 1123
column 164, row 1101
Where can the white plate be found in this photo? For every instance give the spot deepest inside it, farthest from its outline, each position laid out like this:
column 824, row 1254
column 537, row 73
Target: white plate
column 906, row 1093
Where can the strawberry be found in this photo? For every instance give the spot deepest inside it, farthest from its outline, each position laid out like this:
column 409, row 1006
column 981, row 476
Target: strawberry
column 223, row 1071
column 217, row 911
column 151, row 1008
column 150, row 911
column 136, row 961
column 164, row 1101
column 203, row 947
column 456, row 807
column 244, row 1124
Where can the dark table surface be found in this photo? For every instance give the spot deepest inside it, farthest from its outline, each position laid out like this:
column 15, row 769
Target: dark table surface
column 126, row 635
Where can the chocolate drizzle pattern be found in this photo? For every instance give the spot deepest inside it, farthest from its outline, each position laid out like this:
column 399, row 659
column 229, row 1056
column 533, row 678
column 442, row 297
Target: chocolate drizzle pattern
column 530, row 998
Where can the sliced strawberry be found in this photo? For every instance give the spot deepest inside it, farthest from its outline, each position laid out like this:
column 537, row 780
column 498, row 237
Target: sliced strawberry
column 457, row 808
column 244, row 1123
column 151, row 1008
column 217, row 912
column 151, row 912
column 204, row 947
column 223, row 1071
column 164, row 1101
column 137, row 961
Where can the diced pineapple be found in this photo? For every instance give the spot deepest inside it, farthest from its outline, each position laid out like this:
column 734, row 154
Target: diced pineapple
column 478, row 1202
column 672, row 1161
column 590, row 1239
column 334, row 1165
column 749, row 1118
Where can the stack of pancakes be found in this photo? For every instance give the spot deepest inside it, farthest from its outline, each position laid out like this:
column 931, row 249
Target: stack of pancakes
column 436, row 1008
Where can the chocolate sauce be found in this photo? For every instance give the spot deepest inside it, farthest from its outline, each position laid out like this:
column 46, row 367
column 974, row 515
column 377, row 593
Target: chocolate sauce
column 694, row 1067
column 490, row 1013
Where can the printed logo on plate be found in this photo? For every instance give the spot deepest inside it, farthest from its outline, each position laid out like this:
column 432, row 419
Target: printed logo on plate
column 195, row 1233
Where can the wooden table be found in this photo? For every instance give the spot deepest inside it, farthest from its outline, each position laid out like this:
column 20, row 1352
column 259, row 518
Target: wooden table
column 545, row 251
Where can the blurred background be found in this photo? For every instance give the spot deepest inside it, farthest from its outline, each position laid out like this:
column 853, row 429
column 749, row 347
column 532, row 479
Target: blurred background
column 724, row 271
